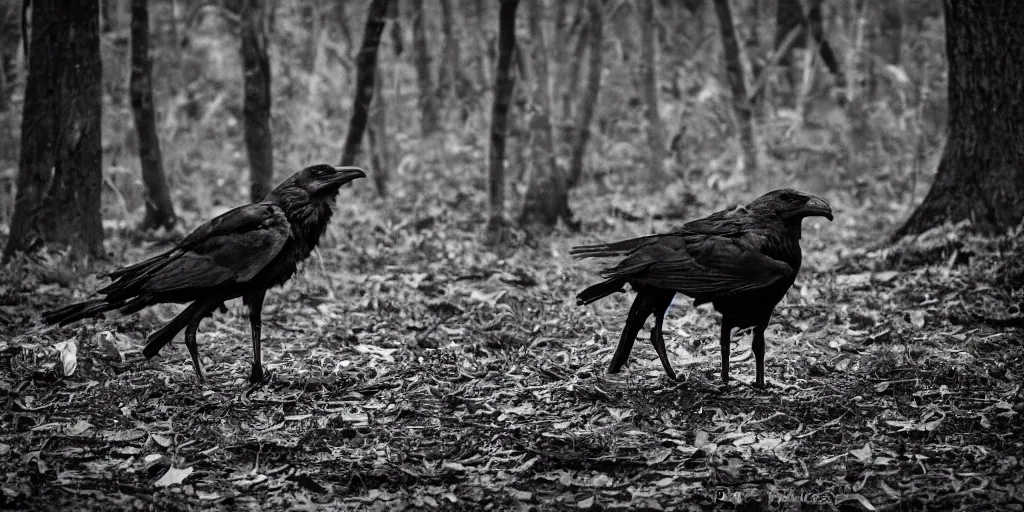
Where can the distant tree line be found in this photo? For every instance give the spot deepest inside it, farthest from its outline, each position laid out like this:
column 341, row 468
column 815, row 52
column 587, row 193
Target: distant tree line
column 545, row 81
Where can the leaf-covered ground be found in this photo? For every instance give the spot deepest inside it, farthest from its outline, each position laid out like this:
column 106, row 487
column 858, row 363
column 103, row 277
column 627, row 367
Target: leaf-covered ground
column 413, row 368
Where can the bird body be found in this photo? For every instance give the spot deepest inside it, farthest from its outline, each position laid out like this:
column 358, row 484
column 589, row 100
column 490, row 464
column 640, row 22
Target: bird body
column 241, row 253
column 742, row 261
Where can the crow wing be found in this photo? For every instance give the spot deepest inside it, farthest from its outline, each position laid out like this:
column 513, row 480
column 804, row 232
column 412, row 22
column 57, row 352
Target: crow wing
column 232, row 248
column 726, row 223
column 702, row 266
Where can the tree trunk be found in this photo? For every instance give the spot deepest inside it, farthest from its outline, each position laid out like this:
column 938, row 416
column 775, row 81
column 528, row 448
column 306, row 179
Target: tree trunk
column 981, row 174
column 547, row 196
column 649, row 89
column 421, row 58
column 572, row 74
column 159, row 209
column 9, row 42
column 60, row 174
column 588, row 103
column 802, row 30
column 452, row 81
column 376, row 132
column 567, row 70
column 259, row 142
column 504, row 84
column 734, row 72
column 366, row 66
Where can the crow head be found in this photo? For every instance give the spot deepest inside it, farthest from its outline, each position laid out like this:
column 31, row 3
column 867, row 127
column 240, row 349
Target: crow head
column 323, row 181
column 309, row 193
column 792, row 205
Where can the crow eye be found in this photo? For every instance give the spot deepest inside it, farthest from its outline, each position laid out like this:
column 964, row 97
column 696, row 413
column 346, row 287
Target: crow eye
column 319, row 172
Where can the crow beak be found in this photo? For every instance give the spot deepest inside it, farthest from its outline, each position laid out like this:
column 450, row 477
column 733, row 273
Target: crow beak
column 816, row 207
column 344, row 175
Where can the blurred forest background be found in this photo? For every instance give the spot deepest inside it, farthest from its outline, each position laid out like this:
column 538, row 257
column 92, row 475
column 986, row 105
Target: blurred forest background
column 846, row 96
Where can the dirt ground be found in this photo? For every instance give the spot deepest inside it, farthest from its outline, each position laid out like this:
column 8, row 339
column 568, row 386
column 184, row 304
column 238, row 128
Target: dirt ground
column 412, row 368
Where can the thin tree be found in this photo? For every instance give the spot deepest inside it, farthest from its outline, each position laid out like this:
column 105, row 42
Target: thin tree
column 376, row 133
column 421, row 59
column 574, row 65
column 451, row 80
column 159, row 209
column 366, row 66
column 504, row 84
column 9, row 40
column 588, row 103
column 981, row 173
column 803, row 30
column 259, row 142
column 60, row 173
column 734, row 74
column 547, row 195
column 649, row 90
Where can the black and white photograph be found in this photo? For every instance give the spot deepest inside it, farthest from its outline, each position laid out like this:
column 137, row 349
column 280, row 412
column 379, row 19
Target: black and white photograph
column 512, row 255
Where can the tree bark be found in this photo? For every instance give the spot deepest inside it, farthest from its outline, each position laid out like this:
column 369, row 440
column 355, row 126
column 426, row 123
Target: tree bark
column 562, row 38
column 9, row 41
column 588, row 103
column 259, row 142
column 504, row 84
column 421, row 57
column 734, row 73
column 547, row 196
column 452, row 81
column 649, row 89
column 60, row 172
column 981, row 174
column 572, row 73
column 159, row 209
column 376, row 132
column 366, row 66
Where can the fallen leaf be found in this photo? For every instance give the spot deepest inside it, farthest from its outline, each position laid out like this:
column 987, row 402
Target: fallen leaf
column 521, row 495
column 658, row 455
column 665, row 482
column 746, row 439
column 160, row 440
column 601, row 480
column 829, row 460
column 587, row 503
column 525, row 466
column 886, row 276
column 78, row 428
column 173, row 476
column 917, row 318
column 858, row 498
column 862, row 454
column 490, row 299
column 68, row 352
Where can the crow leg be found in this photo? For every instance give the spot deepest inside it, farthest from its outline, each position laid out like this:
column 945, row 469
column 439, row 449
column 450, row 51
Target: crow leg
column 725, row 340
column 255, row 303
column 662, row 301
column 758, row 347
column 193, row 348
column 638, row 313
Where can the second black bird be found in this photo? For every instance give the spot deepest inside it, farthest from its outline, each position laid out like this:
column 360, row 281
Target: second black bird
column 743, row 261
column 242, row 253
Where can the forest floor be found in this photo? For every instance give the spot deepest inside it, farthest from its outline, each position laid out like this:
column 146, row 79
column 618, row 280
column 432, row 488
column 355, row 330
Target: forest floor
column 411, row 367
